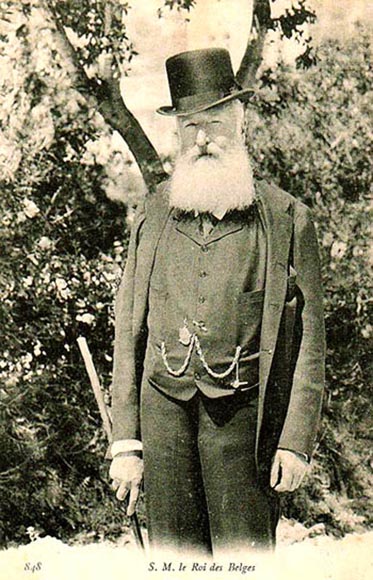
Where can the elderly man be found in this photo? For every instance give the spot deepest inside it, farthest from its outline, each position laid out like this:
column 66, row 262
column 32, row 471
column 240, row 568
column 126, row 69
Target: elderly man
column 219, row 348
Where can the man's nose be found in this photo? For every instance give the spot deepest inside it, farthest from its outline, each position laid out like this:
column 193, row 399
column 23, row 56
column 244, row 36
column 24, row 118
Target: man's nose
column 202, row 138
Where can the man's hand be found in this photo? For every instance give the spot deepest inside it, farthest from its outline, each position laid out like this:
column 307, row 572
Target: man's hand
column 288, row 470
column 126, row 472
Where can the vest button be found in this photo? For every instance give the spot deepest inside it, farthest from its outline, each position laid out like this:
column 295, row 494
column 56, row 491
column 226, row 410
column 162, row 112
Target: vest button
column 201, row 299
column 202, row 274
column 197, row 376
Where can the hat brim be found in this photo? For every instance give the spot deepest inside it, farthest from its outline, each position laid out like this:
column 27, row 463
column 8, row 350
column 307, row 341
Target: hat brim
column 242, row 95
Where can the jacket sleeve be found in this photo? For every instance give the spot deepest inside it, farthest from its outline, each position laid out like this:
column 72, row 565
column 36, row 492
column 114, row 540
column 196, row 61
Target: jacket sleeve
column 303, row 413
column 125, row 388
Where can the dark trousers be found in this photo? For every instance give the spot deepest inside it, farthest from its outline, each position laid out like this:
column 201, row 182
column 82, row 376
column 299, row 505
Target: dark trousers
column 201, row 486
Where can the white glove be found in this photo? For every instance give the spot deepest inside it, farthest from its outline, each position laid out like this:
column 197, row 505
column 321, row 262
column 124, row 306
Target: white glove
column 127, row 471
column 288, row 470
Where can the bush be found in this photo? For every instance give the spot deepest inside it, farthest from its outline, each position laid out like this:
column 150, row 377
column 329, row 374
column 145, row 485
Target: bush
column 310, row 132
column 62, row 245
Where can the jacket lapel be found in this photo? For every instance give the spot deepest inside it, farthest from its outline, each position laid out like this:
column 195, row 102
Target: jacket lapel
column 157, row 213
column 278, row 221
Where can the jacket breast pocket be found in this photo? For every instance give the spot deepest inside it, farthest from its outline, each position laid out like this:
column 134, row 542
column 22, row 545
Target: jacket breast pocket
column 249, row 316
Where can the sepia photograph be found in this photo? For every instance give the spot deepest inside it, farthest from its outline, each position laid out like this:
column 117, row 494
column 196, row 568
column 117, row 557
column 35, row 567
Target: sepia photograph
column 185, row 285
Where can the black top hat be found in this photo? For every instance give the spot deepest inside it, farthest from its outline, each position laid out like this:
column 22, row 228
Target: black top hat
column 200, row 79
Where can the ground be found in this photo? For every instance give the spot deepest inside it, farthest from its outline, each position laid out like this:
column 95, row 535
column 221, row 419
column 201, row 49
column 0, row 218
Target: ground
column 301, row 554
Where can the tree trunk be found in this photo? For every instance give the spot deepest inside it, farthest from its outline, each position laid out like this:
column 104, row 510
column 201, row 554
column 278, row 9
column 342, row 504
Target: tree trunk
column 108, row 100
column 120, row 118
column 253, row 56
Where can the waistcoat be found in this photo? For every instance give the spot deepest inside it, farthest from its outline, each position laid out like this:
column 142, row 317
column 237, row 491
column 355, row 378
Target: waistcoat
column 205, row 306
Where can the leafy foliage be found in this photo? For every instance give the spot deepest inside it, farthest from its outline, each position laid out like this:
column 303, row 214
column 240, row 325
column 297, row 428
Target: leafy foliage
column 310, row 133
column 96, row 27
column 178, row 5
column 292, row 20
column 61, row 246
column 290, row 23
column 99, row 29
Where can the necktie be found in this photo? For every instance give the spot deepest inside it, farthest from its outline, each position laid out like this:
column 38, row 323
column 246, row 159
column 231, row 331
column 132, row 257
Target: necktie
column 207, row 224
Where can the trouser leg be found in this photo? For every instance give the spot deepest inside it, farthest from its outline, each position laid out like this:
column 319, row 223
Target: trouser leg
column 242, row 515
column 174, row 495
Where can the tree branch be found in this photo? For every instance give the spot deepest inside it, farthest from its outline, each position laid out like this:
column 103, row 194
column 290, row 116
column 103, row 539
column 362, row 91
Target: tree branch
column 108, row 16
column 109, row 102
column 76, row 70
column 254, row 50
column 120, row 118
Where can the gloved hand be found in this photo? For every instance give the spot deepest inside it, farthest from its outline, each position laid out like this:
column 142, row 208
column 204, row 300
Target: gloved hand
column 126, row 471
column 288, row 470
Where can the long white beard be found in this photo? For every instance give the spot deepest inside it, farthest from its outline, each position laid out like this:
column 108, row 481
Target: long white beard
column 216, row 183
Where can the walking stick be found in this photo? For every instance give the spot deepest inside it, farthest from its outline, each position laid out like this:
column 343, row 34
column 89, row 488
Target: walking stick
column 106, row 419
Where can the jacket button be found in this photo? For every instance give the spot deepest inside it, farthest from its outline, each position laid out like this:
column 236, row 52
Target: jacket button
column 201, row 299
column 204, row 248
column 197, row 376
column 202, row 274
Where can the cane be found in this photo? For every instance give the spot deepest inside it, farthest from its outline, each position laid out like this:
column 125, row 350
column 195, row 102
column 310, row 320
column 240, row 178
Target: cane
column 106, row 419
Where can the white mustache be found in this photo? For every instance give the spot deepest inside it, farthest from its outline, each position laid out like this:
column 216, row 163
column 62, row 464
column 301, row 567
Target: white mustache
column 211, row 149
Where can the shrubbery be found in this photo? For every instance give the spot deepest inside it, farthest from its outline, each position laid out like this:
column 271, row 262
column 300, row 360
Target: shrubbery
column 310, row 133
column 63, row 242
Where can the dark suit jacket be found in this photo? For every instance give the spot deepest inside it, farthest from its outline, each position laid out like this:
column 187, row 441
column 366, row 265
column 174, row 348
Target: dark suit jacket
column 292, row 344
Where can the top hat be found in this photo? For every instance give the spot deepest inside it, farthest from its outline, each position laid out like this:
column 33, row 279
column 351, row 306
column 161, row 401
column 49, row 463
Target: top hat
column 199, row 80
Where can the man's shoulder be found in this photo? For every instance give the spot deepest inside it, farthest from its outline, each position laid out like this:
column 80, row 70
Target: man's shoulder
column 278, row 199
column 157, row 200
column 153, row 205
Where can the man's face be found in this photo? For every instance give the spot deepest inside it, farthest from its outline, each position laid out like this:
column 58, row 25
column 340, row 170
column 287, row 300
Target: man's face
column 212, row 172
column 218, row 125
